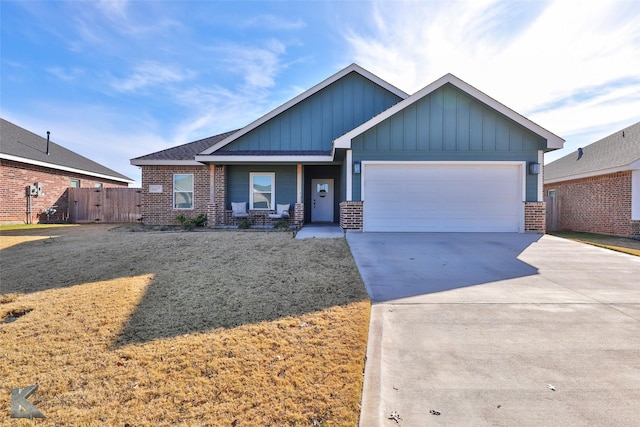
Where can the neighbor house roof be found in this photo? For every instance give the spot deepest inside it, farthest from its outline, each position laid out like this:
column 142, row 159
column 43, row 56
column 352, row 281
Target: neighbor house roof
column 182, row 154
column 553, row 141
column 20, row 145
column 617, row 152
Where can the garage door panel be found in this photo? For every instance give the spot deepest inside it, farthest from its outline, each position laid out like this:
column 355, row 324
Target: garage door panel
column 438, row 197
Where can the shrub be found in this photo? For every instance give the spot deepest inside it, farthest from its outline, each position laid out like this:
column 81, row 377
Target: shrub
column 190, row 224
column 244, row 224
column 281, row 224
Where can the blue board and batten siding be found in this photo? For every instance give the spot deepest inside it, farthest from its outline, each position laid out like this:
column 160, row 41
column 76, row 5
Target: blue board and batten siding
column 313, row 123
column 449, row 125
column 238, row 187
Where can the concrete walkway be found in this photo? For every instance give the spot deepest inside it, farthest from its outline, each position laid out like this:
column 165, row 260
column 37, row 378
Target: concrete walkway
column 499, row 329
column 319, row 231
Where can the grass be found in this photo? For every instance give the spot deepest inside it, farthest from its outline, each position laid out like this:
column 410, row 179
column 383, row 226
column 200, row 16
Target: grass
column 619, row 244
column 12, row 227
column 203, row 328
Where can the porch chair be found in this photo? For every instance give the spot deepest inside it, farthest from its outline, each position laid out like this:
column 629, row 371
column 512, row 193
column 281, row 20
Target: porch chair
column 282, row 212
column 239, row 210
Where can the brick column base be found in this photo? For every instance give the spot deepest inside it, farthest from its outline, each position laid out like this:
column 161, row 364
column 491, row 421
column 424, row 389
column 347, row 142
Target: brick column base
column 351, row 215
column 298, row 215
column 535, row 217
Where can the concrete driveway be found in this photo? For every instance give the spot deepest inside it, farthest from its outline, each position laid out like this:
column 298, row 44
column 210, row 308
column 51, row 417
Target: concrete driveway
column 499, row 329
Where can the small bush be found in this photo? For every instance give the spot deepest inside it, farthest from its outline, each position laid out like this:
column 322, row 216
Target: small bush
column 281, row 224
column 244, row 224
column 181, row 219
column 190, row 224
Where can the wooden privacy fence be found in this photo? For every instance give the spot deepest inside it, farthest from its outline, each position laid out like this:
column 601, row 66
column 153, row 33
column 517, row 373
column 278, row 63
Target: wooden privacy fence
column 553, row 213
column 108, row 205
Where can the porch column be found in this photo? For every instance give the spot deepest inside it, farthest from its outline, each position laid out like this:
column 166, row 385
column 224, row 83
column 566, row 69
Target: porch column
column 349, row 163
column 298, row 212
column 218, row 197
column 299, row 184
column 212, row 183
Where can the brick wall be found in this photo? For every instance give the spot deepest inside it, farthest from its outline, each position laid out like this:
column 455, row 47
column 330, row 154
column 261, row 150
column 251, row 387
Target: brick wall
column 298, row 215
column 220, row 194
column 600, row 204
column 535, row 217
column 351, row 215
column 157, row 208
column 16, row 176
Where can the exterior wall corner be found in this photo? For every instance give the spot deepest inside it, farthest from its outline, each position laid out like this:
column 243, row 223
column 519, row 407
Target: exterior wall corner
column 535, row 217
column 351, row 215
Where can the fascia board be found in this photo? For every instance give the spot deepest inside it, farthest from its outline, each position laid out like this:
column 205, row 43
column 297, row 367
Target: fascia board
column 63, row 168
column 553, row 141
column 264, row 159
column 304, row 95
column 164, row 162
column 632, row 166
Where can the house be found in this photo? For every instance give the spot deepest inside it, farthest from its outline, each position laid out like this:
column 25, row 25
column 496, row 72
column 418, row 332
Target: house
column 597, row 189
column 357, row 151
column 35, row 174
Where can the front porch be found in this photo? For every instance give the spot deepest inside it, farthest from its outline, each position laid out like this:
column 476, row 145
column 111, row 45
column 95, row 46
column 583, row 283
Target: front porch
column 228, row 183
column 257, row 218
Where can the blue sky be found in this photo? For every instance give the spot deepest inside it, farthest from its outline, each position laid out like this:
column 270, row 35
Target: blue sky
column 113, row 80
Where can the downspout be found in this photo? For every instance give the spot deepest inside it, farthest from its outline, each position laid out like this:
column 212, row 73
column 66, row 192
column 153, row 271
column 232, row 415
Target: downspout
column 28, row 205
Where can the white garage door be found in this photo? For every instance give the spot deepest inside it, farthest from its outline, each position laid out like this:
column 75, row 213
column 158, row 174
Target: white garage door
column 443, row 197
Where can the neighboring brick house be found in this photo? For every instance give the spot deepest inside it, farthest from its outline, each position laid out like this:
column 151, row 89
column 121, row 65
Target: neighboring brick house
column 25, row 162
column 597, row 189
column 356, row 151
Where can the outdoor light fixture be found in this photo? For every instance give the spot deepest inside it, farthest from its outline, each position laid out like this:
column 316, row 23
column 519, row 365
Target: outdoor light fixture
column 534, row 168
column 356, row 167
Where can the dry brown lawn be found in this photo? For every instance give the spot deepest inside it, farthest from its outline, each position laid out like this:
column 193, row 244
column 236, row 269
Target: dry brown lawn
column 615, row 243
column 213, row 328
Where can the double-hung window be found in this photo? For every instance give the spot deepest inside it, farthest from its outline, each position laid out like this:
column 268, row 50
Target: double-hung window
column 262, row 191
column 183, row 191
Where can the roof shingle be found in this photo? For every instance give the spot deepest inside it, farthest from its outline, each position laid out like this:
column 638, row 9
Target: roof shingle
column 18, row 142
column 186, row 151
column 617, row 150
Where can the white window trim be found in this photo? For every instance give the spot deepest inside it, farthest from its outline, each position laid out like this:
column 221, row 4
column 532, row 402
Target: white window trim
column 192, row 191
column 273, row 189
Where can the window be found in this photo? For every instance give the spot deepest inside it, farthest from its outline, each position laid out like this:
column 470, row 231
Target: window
column 75, row 183
column 551, row 193
column 183, row 191
column 262, row 192
column 98, row 185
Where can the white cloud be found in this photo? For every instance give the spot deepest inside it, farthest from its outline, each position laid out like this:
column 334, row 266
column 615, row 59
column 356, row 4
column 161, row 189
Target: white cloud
column 258, row 65
column 273, row 22
column 67, row 75
column 544, row 60
column 151, row 74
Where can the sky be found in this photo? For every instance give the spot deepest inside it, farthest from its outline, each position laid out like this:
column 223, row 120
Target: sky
column 113, row 80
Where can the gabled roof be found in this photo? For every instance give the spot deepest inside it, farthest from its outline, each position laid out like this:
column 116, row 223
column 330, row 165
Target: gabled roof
column 553, row 141
column 337, row 76
column 20, row 145
column 182, row 154
column 617, row 152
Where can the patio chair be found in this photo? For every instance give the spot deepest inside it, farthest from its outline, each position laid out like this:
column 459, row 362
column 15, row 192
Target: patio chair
column 282, row 212
column 239, row 210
